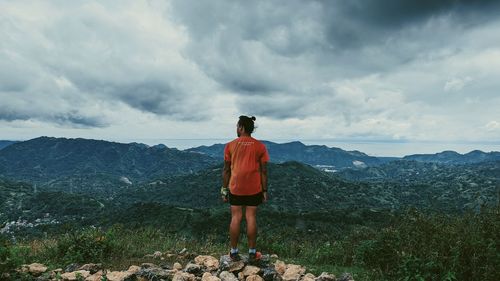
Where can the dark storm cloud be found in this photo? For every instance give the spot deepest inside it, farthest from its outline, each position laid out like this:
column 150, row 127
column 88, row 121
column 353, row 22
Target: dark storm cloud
column 356, row 23
column 71, row 118
column 161, row 98
column 231, row 39
column 284, row 106
column 266, row 48
column 152, row 97
column 77, row 120
column 11, row 116
column 395, row 13
column 249, row 86
column 345, row 23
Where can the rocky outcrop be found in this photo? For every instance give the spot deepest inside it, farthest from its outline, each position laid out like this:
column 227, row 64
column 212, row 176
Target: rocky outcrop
column 34, row 269
column 201, row 268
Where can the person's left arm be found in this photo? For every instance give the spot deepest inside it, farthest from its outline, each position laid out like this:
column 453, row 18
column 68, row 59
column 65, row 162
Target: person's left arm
column 226, row 174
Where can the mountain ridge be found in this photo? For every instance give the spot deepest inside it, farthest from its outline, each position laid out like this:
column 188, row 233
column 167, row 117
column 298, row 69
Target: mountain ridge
column 44, row 159
column 453, row 157
column 319, row 155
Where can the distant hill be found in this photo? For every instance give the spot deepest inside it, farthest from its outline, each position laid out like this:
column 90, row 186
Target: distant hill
column 23, row 208
column 293, row 186
column 411, row 171
column 5, row 143
column 327, row 158
column 469, row 185
column 49, row 160
column 296, row 187
column 453, row 157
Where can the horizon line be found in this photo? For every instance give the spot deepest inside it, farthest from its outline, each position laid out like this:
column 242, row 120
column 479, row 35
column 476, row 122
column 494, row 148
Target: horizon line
column 355, row 140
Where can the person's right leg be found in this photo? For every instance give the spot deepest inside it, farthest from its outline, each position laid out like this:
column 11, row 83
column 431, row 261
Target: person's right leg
column 234, row 228
column 250, row 217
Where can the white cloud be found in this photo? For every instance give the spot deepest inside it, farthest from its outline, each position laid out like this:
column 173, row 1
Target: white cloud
column 456, row 84
column 493, row 126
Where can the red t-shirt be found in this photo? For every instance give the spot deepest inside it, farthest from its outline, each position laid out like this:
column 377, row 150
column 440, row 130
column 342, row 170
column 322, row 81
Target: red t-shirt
column 245, row 154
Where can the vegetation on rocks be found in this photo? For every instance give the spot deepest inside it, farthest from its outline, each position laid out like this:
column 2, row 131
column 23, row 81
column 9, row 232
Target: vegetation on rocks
column 416, row 246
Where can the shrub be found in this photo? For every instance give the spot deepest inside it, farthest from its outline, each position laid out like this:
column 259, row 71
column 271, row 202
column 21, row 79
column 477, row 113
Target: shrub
column 6, row 262
column 83, row 246
column 11, row 257
column 434, row 246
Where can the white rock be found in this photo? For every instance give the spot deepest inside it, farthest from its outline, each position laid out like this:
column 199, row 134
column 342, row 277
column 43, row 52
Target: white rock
column 293, row 272
column 324, row 276
column 254, row 277
column 308, row 277
column 227, row 276
column 95, row 277
column 207, row 276
column 134, row 269
column 118, row 275
column 37, row 268
column 209, row 262
column 183, row 276
column 250, row 270
column 73, row 275
column 280, row 267
column 177, row 266
column 236, row 266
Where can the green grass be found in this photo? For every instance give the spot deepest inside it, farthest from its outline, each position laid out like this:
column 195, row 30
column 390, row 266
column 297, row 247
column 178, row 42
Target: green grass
column 129, row 247
column 417, row 246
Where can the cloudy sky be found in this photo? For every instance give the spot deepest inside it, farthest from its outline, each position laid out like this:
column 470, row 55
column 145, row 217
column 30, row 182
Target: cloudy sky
column 387, row 70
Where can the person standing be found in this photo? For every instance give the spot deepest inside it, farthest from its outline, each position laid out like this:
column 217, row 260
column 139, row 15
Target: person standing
column 244, row 184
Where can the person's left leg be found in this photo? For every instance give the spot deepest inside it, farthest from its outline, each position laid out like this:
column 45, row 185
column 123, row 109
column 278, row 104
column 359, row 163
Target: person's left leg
column 250, row 217
column 234, row 228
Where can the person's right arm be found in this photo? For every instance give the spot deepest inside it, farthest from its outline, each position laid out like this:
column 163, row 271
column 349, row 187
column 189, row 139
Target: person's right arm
column 263, row 172
column 263, row 179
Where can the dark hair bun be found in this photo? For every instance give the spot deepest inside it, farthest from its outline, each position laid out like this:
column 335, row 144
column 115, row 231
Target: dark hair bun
column 247, row 123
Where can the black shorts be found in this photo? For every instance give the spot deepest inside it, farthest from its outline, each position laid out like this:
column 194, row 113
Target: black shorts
column 245, row 200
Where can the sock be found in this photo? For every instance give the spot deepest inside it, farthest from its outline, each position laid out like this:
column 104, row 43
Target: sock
column 234, row 250
column 251, row 251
